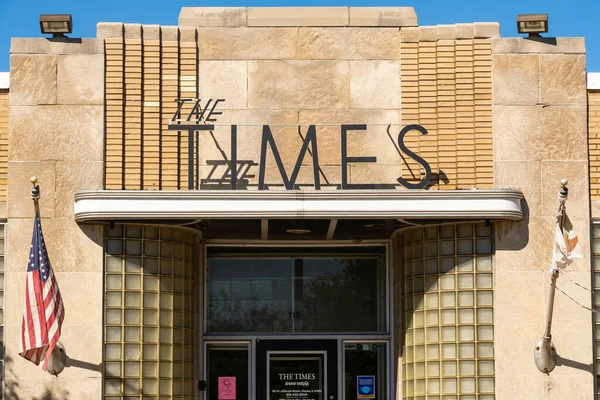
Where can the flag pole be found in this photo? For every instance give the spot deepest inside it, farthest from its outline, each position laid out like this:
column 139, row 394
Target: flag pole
column 34, row 193
column 57, row 360
column 545, row 355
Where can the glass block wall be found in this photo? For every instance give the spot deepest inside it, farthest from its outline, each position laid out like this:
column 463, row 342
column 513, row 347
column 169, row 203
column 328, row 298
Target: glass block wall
column 447, row 308
column 149, row 313
column 596, row 283
column 2, row 255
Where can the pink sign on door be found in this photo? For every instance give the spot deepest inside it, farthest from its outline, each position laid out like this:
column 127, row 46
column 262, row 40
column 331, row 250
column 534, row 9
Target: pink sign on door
column 227, row 388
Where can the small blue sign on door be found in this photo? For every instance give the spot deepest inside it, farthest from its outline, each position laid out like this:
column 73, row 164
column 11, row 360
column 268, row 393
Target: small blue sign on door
column 365, row 386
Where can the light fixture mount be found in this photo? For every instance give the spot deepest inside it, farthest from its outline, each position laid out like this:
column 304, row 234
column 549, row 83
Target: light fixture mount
column 56, row 25
column 533, row 24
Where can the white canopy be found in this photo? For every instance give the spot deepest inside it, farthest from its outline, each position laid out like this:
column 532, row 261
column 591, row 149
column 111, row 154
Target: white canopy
column 110, row 205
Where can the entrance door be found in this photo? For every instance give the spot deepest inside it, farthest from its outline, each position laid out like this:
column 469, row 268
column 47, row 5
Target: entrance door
column 296, row 369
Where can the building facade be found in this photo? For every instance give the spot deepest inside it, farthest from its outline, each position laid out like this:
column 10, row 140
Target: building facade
column 317, row 203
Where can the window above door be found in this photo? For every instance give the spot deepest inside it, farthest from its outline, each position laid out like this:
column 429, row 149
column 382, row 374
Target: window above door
column 296, row 291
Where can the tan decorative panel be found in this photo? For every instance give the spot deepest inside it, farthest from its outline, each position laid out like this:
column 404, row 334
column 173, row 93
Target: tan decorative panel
column 115, row 70
column 447, row 88
column 3, row 144
column 169, row 144
column 188, row 60
column 151, row 112
column 133, row 113
column 484, row 153
column 145, row 72
column 594, row 142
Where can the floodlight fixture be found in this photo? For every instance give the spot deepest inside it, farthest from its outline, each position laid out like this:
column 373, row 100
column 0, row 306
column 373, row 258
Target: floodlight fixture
column 56, row 24
column 533, row 24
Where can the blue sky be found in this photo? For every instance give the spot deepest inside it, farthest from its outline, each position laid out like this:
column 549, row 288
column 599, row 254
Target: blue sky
column 577, row 18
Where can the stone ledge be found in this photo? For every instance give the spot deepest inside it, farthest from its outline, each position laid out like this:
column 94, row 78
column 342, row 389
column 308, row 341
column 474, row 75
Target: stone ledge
column 169, row 33
column 428, row 33
column 541, row 45
column 485, row 30
column 465, row 31
column 109, row 30
column 151, row 32
column 383, row 16
column 133, row 31
column 56, row 46
column 297, row 16
column 187, row 34
column 410, row 35
column 479, row 30
column 213, row 16
column 446, row 32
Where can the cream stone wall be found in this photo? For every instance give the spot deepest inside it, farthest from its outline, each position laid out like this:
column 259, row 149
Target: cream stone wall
column 540, row 136
column 3, row 150
column 57, row 134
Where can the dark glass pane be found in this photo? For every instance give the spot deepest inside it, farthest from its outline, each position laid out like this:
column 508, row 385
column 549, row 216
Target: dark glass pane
column 365, row 359
column 249, row 295
column 338, row 295
column 231, row 365
column 296, row 294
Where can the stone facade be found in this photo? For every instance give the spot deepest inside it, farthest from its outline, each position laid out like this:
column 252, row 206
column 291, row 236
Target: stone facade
column 57, row 134
column 500, row 112
column 3, row 149
column 533, row 111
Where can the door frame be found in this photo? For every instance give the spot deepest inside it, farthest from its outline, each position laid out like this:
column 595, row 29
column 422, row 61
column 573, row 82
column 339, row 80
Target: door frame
column 250, row 344
column 250, row 339
column 300, row 352
column 328, row 347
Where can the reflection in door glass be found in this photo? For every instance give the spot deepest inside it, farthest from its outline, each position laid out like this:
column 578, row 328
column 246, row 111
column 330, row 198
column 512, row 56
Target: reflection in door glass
column 365, row 362
column 227, row 372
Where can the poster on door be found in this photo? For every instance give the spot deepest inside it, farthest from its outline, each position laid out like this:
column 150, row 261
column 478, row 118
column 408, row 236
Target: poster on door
column 227, row 388
column 295, row 378
column 365, row 386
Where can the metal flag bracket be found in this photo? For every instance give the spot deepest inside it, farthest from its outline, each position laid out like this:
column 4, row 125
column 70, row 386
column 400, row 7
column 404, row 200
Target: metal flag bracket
column 34, row 192
column 544, row 354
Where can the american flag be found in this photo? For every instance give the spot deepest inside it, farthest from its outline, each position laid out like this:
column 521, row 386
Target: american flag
column 44, row 309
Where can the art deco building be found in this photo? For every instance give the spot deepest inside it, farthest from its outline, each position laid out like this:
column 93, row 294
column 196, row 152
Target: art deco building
column 317, row 203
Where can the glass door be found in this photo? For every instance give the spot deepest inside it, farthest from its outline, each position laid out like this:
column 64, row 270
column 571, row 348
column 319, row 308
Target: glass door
column 227, row 367
column 296, row 369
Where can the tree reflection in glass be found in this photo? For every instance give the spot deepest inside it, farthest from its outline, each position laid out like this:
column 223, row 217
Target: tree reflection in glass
column 296, row 294
column 337, row 295
column 249, row 295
